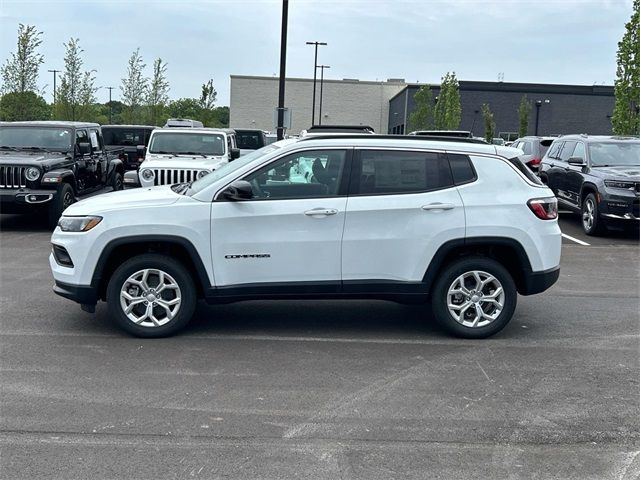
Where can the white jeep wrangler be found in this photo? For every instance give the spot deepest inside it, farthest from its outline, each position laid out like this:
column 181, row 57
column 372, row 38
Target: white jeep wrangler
column 464, row 225
column 178, row 155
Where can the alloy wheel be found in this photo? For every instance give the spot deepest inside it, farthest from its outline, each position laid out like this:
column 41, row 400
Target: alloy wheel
column 150, row 298
column 475, row 299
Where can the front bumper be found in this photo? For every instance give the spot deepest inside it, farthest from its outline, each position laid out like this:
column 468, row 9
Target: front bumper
column 131, row 179
column 24, row 199
column 617, row 206
column 84, row 295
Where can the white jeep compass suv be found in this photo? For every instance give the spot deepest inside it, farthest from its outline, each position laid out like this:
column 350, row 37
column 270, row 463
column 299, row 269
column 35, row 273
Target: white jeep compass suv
column 464, row 225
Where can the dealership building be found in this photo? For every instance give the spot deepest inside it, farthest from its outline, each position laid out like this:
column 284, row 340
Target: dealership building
column 387, row 105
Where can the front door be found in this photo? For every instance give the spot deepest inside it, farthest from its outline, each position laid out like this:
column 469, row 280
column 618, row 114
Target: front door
column 290, row 231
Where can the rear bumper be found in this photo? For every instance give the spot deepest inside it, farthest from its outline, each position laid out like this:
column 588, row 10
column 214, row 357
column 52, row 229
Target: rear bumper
column 536, row 282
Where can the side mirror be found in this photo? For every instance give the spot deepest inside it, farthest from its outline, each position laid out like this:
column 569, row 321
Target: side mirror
column 238, row 190
column 235, row 153
column 141, row 151
column 84, row 148
column 577, row 162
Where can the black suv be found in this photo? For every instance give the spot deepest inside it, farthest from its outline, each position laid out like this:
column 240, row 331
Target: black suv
column 126, row 139
column 45, row 165
column 598, row 176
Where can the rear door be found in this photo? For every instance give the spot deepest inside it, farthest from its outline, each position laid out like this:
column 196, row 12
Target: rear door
column 563, row 171
column 402, row 206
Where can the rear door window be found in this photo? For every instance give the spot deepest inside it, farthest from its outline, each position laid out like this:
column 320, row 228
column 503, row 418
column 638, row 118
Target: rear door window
column 526, row 148
column 386, row 172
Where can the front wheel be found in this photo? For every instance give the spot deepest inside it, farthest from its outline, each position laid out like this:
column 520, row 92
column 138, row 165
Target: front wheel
column 64, row 198
column 474, row 297
column 151, row 295
column 117, row 182
column 592, row 223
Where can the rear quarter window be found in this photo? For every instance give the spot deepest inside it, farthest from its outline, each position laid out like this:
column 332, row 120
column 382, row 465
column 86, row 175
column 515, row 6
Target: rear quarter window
column 518, row 163
column 461, row 169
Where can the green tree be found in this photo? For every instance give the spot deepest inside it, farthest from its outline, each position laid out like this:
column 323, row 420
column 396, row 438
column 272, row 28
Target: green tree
column 21, row 99
column 20, row 71
column 158, row 92
column 221, row 116
column 422, row 117
column 448, row 111
column 75, row 97
column 15, row 106
column 489, row 123
column 208, row 96
column 134, row 88
column 523, row 114
column 626, row 112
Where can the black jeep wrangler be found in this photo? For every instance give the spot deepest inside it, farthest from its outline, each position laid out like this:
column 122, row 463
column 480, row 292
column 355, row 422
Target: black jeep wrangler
column 45, row 166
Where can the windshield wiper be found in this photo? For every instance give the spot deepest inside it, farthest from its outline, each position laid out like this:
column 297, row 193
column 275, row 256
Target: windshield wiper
column 181, row 188
column 36, row 149
column 162, row 152
column 5, row 147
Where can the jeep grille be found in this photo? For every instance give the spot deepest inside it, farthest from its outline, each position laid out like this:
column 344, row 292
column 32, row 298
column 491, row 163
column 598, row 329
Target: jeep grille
column 12, row 177
column 169, row 176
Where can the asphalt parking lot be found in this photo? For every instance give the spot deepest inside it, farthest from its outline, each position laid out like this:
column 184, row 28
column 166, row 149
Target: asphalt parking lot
column 326, row 389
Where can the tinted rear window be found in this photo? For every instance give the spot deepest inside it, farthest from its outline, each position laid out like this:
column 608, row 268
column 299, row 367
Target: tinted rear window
column 249, row 140
column 461, row 168
column 125, row 136
column 517, row 162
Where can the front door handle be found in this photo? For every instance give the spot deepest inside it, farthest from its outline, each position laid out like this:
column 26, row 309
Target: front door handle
column 438, row 206
column 320, row 212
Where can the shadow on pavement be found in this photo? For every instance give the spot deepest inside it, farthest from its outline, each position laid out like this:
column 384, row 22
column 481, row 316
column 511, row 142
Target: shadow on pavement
column 35, row 222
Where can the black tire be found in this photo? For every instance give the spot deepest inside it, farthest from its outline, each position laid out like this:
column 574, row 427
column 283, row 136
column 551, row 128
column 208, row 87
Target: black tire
column 175, row 272
column 446, row 280
column 117, row 183
column 592, row 222
column 64, row 198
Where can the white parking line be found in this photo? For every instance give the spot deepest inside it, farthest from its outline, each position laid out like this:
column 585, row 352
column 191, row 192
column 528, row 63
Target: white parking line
column 580, row 242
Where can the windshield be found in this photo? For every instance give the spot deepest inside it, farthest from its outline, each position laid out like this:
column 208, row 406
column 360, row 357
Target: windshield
column 125, row 136
column 614, row 154
column 48, row 138
column 187, row 143
column 229, row 168
column 248, row 140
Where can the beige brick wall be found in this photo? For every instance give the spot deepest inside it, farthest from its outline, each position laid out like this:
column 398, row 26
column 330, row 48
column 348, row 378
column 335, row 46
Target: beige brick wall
column 253, row 100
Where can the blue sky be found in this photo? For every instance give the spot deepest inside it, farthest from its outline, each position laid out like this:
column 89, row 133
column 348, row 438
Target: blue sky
column 559, row 41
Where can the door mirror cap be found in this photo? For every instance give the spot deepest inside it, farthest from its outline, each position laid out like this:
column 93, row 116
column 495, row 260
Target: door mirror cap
column 577, row 162
column 237, row 191
column 141, row 150
column 84, row 148
column 235, row 153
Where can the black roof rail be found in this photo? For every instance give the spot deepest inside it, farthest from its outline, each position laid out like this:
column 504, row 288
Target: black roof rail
column 339, row 128
column 417, row 138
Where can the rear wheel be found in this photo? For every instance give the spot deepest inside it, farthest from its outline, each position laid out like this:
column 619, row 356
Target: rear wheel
column 592, row 223
column 151, row 295
column 474, row 297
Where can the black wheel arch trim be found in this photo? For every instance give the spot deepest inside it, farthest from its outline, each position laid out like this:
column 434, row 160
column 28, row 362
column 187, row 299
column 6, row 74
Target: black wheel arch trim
column 437, row 262
column 203, row 277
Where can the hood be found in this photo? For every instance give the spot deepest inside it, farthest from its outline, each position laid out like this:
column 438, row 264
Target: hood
column 150, row 197
column 28, row 158
column 182, row 161
column 626, row 172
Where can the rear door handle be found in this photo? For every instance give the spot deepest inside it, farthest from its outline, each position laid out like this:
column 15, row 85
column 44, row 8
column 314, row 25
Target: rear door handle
column 438, row 206
column 320, row 212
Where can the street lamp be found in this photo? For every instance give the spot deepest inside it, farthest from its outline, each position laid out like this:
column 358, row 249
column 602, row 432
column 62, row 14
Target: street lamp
column 315, row 68
column 538, row 105
column 110, row 105
column 321, row 67
column 54, row 83
column 283, row 64
column 475, row 116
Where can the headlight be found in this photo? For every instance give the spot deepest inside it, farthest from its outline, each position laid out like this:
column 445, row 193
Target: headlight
column 202, row 173
column 147, row 174
column 32, row 174
column 78, row 224
column 617, row 184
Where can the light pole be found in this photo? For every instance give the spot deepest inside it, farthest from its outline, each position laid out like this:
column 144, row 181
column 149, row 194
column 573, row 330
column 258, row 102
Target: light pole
column 538, row 105
column 315, row 68
column 110, row 105
column 475, row 116
column 283, row 64
column 321, row 67
column 54, row 83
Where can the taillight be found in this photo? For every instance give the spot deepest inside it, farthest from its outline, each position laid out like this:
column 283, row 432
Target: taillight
column 534, row 161
column 544, row 208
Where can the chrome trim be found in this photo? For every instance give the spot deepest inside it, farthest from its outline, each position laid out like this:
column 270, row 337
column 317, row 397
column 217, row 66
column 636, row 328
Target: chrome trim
column 626, row 216
column 26, row 197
